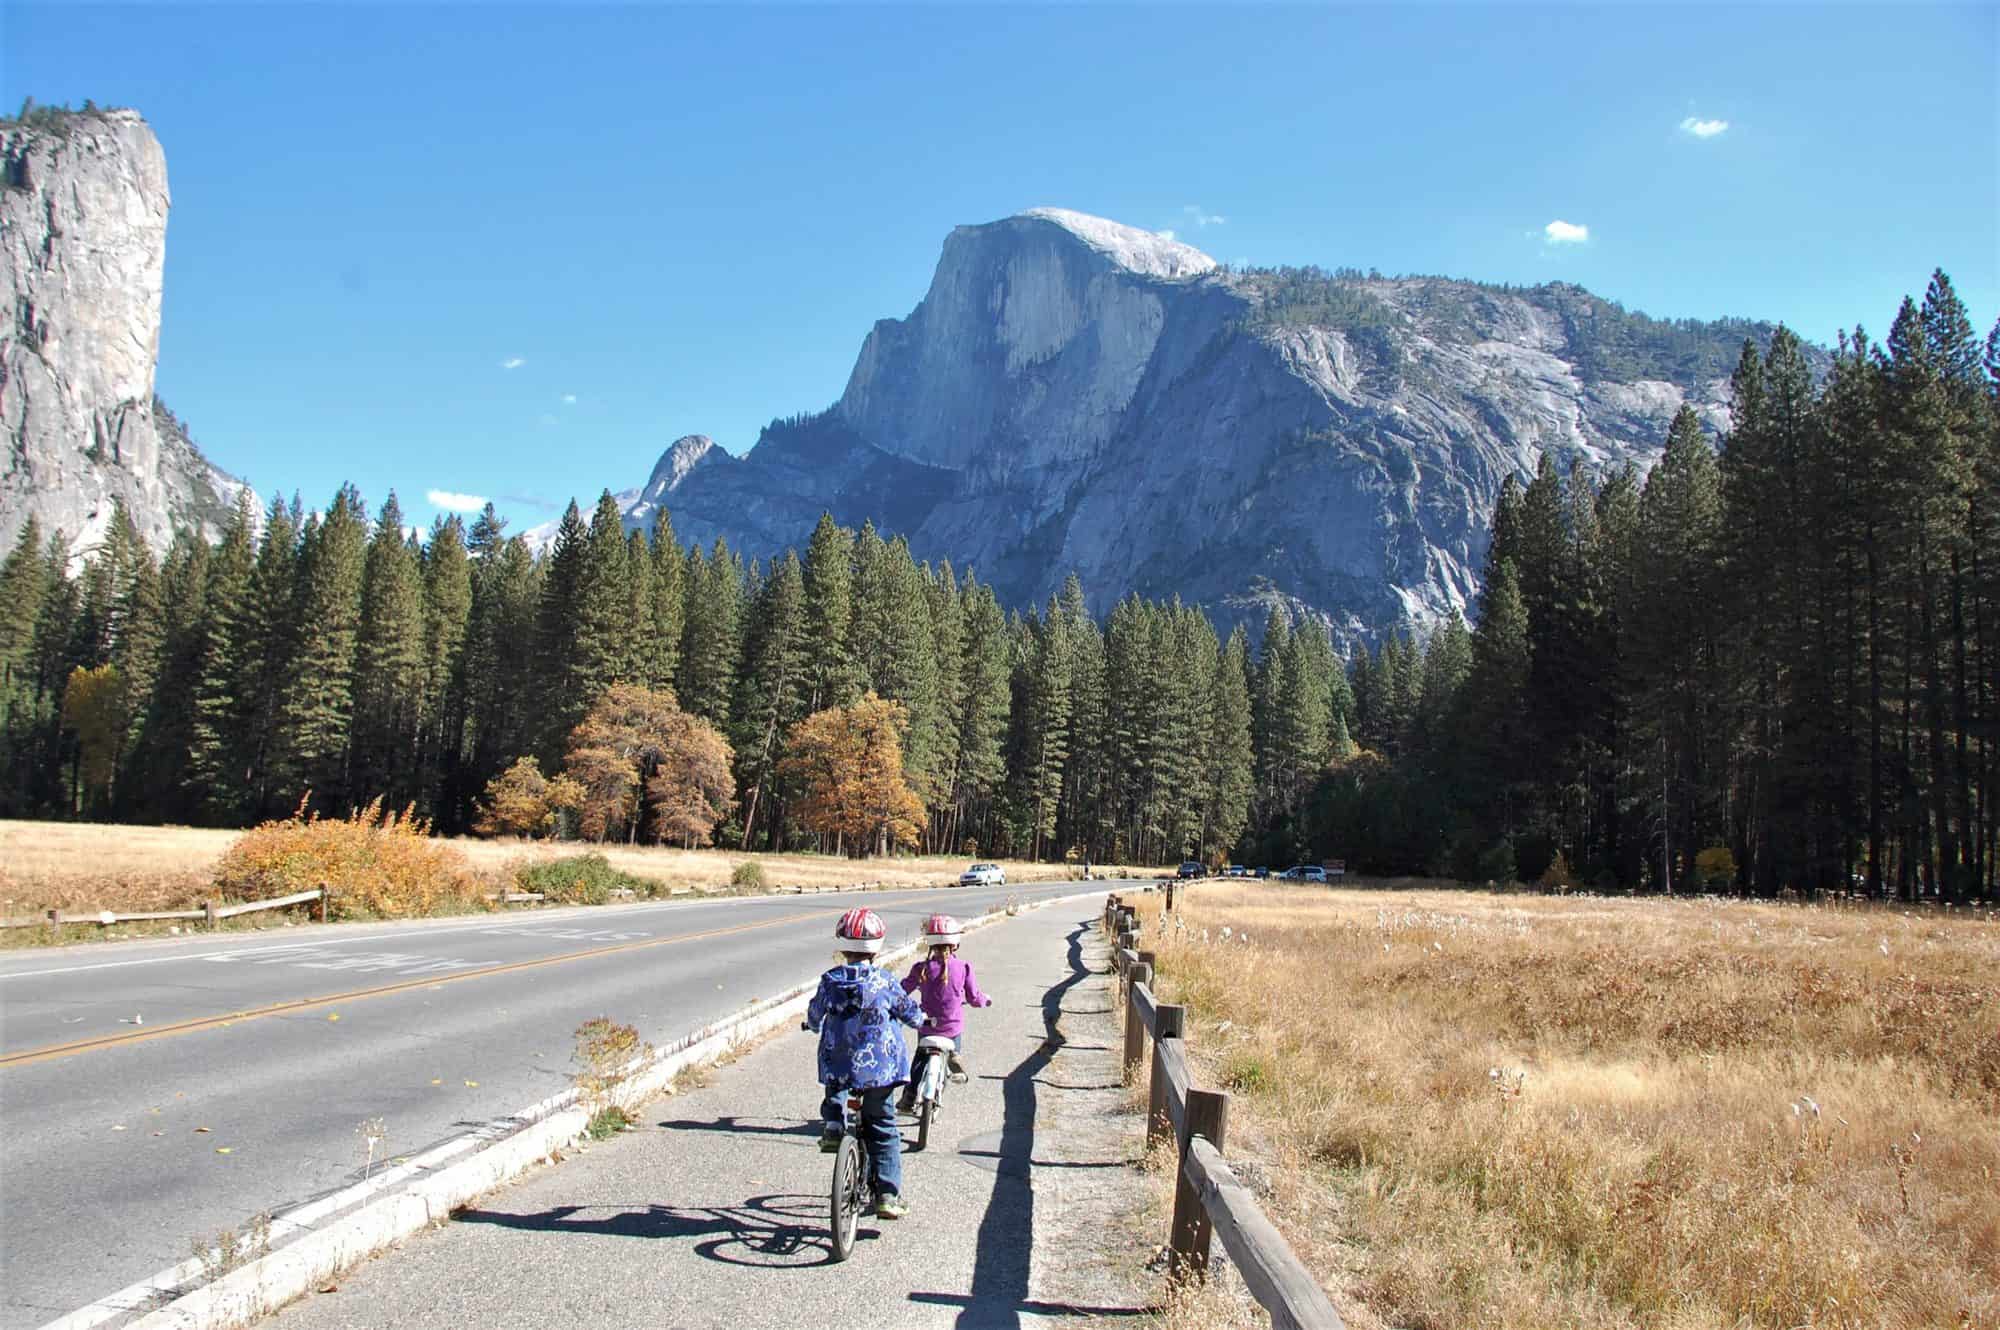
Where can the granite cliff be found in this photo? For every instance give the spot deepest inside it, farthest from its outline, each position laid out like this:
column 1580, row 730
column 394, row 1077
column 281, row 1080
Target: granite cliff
column 83, row 225
column 1076, row 394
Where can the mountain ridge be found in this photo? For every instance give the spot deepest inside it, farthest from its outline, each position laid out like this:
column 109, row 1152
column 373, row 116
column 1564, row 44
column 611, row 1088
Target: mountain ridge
column 1065, row 397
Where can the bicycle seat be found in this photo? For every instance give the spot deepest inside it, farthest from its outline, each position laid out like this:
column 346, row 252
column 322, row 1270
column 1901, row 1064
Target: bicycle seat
column 936, row 1043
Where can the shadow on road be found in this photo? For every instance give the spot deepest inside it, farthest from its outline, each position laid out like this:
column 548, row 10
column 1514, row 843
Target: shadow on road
column 777, row 1231
column 1006, row 1232
column 756, row 1126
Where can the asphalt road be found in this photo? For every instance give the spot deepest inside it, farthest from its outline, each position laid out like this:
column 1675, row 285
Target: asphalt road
column 112, row 1059
column 713, row 1214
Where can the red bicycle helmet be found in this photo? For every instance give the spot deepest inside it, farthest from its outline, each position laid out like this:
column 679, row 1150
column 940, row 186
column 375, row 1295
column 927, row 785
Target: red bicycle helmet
column 941, row 930
column 860, row 930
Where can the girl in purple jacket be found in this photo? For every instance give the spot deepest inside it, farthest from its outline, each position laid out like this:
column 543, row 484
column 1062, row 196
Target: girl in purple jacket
column 945, row 985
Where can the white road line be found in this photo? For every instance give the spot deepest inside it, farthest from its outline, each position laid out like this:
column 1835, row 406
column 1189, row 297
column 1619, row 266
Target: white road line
column 483, row 926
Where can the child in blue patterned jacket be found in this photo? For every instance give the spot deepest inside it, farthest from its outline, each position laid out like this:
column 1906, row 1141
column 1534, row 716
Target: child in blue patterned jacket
column 856, row 1012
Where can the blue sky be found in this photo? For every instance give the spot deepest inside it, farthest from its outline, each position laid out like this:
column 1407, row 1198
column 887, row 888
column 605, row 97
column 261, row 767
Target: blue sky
column 673, row 220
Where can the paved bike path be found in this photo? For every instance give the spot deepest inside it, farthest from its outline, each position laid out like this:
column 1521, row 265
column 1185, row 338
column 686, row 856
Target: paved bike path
column 713, row 1212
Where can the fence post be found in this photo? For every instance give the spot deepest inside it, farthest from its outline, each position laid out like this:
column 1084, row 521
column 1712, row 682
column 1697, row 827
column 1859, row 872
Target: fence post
column 1135, row 1028
column 1207, row 1117
column 1170, row 895
column 1170, row 1023
column 208, row 913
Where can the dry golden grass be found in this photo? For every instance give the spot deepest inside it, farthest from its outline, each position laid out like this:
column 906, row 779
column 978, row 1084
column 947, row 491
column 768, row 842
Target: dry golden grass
column 76, row 866
column 1528, row 1112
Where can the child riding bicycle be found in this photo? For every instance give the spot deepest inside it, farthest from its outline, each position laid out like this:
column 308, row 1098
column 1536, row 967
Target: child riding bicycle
column 861, row 1051
column 947, row 988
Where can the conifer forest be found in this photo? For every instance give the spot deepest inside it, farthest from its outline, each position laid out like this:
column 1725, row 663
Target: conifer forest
column 1769, row 665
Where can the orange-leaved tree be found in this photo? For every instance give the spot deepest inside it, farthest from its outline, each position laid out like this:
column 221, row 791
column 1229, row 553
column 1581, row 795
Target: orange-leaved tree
column 637, row 744
column 691, row 788
column 520, row 801
column 848, row 763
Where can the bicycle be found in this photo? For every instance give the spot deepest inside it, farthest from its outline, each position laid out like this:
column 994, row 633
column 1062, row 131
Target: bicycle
column 853, row 1194
column 936, row 1051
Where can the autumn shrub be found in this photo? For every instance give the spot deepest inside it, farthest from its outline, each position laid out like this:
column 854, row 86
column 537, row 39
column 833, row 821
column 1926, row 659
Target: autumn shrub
column 579, row 879
column 749, row 875
column 374, row 864
column 1715, row 867
column 520, row 801
column 1558, row 876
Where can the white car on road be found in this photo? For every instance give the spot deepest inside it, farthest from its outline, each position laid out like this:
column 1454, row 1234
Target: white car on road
column 982, row 875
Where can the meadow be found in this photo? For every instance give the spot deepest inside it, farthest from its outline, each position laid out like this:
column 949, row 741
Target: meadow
column 80, row 866
column 1524, row 1111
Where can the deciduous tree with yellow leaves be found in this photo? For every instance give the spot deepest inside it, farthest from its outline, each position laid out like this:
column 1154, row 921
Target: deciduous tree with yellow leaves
column 848, row 762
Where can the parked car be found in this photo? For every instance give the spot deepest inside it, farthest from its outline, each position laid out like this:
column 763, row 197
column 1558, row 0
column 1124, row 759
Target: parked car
column 1262, row 871
column 983, row 875
column 1193, row 869
column 1236, row 870
column 1305, row 873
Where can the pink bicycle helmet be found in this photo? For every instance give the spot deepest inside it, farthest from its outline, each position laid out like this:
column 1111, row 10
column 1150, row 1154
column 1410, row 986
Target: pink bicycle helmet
column 860, row 930
column 941, row 930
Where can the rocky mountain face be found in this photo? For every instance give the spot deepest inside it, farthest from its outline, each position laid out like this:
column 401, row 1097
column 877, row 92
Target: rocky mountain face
column 83, row 227
column 1076, row 394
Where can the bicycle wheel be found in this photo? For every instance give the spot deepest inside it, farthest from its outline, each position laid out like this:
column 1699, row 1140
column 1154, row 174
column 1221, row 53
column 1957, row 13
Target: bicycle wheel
column 924, row 1111
column 846, row 1199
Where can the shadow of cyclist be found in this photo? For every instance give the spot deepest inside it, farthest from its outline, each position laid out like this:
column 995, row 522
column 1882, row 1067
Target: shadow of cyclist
column 779, row 1231
column 1007, row 1230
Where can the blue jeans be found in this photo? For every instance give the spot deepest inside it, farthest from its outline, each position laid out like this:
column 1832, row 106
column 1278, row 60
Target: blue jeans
column 879, row 1133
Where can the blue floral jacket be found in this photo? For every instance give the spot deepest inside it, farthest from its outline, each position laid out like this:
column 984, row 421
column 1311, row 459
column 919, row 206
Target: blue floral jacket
column 855, row 1012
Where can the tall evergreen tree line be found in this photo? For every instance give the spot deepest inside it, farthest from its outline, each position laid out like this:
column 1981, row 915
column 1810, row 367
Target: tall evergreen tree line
column 1783, row 644
column 1772, row 665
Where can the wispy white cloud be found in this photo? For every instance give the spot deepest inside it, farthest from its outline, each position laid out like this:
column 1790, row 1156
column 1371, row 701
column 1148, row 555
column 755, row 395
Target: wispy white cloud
column 1703, row 129
column 1565, row 233
column 453, row 502
column 569, row 399
column 1166, row 234
column 1201, row 218
column 513, row 362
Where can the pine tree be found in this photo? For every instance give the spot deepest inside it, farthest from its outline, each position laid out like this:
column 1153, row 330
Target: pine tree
column 151, row 786
column 835, row 678
column 1228, row 753
column 605, row 647
column 1044, row 724
column 982, row 726
column 556, row 629
column 266, row 656
column 710, row 643
column 216, row 781
column 316, row 707
column 447, row 571
column 660, row 645
column 771, row 691
column 389, row 666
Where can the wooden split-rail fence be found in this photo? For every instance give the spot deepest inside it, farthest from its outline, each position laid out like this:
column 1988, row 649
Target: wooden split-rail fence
column 1209, row 1199
column 210, row 912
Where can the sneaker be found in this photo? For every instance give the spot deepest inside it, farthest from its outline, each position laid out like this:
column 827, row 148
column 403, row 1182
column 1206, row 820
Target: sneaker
column 891, row 1206
column 829, row 1142
column 957, row 1067
column 907, row 1101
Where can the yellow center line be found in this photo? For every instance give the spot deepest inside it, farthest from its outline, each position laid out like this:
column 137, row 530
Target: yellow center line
column 55, row 1051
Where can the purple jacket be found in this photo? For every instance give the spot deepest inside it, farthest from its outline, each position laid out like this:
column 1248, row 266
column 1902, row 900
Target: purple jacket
column 946, row 991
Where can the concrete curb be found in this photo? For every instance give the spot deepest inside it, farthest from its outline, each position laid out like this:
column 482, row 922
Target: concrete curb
column 317, row 1256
